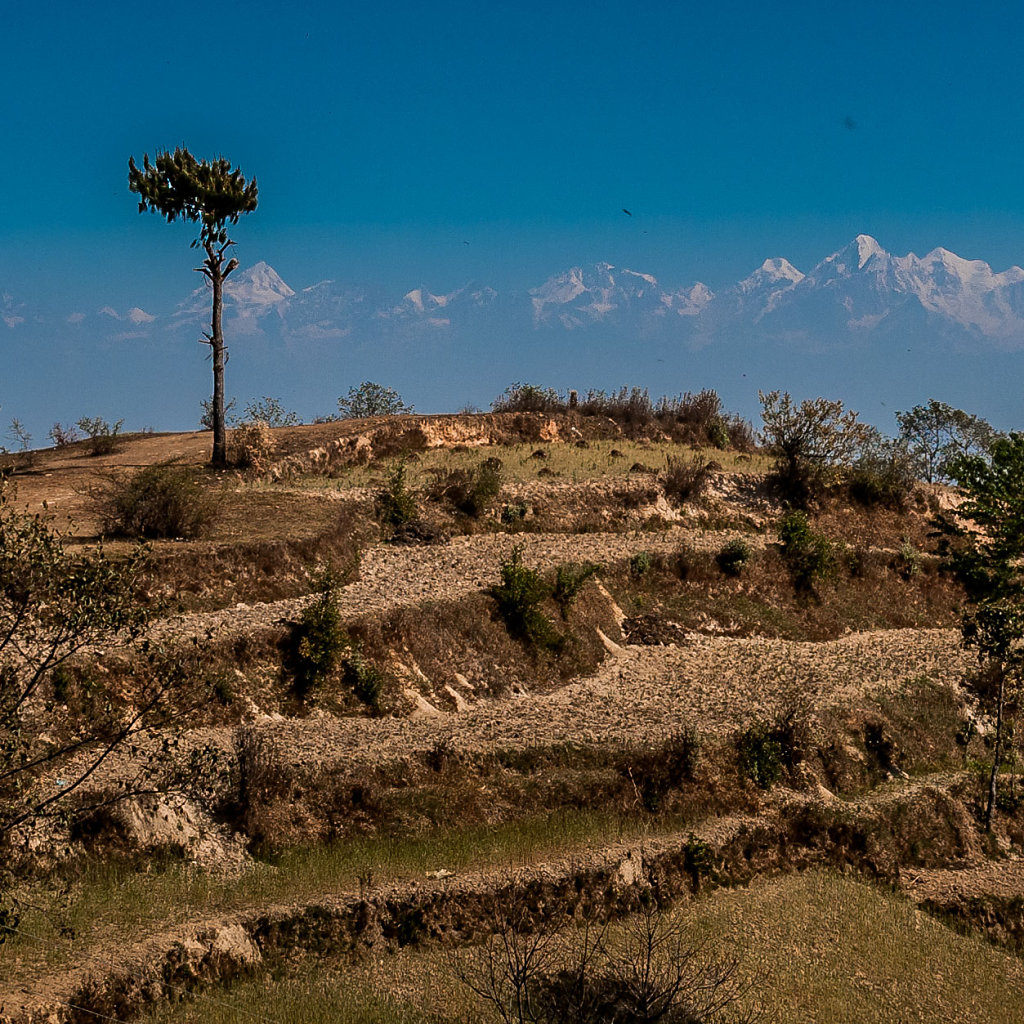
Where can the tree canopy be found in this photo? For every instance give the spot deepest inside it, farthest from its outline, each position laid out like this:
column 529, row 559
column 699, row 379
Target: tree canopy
column 936, row 435
column 180, row 187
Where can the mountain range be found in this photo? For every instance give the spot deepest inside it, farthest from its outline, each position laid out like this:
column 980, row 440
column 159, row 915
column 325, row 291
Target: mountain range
column 861, row 323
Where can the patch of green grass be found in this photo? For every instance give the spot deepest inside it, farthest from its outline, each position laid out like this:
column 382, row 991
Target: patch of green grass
column 113, row 904
column 310, row 996
column 813, row 947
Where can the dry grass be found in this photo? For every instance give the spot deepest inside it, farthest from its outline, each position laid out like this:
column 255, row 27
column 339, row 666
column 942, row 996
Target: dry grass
column 562, row 462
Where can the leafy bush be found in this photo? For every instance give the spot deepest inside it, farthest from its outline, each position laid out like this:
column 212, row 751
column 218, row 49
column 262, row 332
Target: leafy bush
column 936, row 435
column 520, row 397
column 883, row 475
column 687, row 479
column 514, row 513
column 809, row 555
column 270, row 411
column 320, row 641
column 251, row 446
column 811, row 442
column 760, row 756
column 570, row 579
column 907, row 562
column 640, row 564
column 371, row 399
column 162, row 500
column 473, row 492
column 698, row 860
column 365, row 679
column 395, row 506
column 733, row 557
column 103, row 438
column 519, row 596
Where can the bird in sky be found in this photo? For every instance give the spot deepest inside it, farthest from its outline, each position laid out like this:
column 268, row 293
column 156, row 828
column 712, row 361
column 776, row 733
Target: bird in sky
column 626, row 212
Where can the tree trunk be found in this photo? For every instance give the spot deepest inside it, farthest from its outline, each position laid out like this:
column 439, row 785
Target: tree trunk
column 220, row 453
column 997, row 754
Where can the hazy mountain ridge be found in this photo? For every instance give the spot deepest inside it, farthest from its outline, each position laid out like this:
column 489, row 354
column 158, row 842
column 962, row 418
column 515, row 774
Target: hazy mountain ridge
column 860, row 288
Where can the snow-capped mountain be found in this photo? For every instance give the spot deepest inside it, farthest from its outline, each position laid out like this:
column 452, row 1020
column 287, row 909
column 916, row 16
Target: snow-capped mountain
column 579, row 297
column 880, row 330
column 861, row 286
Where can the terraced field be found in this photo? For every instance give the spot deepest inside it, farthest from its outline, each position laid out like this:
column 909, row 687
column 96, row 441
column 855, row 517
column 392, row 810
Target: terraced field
column 680, row 727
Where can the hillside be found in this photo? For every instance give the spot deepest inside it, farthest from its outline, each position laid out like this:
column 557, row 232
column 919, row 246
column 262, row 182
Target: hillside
column 676, row 713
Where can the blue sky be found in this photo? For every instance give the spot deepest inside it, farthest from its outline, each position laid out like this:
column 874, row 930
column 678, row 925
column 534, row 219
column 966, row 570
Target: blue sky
column 387, row 136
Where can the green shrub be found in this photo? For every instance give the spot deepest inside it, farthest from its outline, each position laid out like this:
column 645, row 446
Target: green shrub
column 395, row 506
column 162, row 500
column 519, row 596
column 907, row 562
column 810, row 556
column 103, row 438
column 514, row 513
column 718, row 433
column 733, row 557
column 570, row 579
column 364, row 678
column 473, row 492
column 760, row 756
column 698, row 861
column 320, row 641
column 640, row 564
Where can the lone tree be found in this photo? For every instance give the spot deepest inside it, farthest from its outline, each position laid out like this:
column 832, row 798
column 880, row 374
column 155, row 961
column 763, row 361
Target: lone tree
column 214, row 195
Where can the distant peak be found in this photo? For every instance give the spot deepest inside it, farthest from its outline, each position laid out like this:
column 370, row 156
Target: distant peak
column 866, row 248
column 781, row 269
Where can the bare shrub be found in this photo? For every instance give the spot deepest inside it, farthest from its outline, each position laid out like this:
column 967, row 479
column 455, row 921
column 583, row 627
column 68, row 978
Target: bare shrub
column 256, row 781
column 688, row 478
column 251, row 446
column 63, row 435
column 534, row 970
column 103, row 438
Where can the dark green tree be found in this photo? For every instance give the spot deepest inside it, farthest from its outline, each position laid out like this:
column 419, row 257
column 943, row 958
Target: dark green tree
column 984, row 546
column 213, row 195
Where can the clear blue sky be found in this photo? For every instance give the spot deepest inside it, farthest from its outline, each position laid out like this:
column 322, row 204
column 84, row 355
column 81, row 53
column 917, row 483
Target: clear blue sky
column 387, row 135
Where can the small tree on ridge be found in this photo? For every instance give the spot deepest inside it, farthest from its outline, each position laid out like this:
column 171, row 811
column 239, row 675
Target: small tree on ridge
column 212, row 194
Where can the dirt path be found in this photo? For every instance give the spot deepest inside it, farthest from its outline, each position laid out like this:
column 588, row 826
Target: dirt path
column 395, row 577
